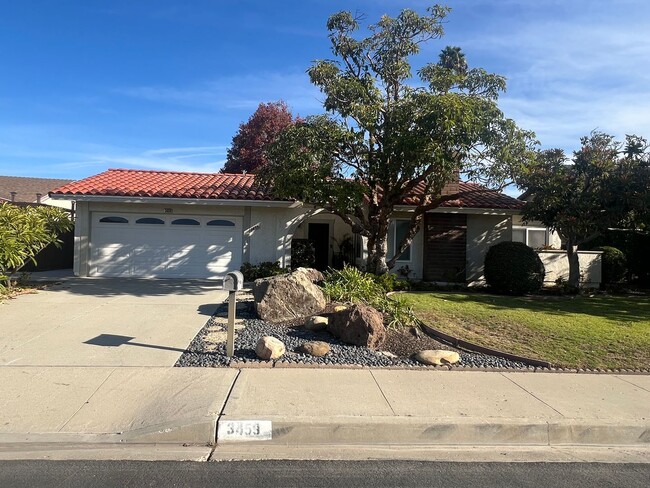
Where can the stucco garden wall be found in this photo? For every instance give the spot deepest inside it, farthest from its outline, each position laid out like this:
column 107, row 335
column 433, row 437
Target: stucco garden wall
column 557, row 265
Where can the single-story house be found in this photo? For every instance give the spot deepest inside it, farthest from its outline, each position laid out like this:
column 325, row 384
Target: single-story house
column 168, row 224
column 26, row 190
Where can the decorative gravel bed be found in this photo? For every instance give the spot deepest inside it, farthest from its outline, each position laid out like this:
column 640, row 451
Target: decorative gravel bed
column 202, row 351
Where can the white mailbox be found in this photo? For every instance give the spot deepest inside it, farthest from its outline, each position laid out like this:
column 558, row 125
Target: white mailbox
column 233, row 281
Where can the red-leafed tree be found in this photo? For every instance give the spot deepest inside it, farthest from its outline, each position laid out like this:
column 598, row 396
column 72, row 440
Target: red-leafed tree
column 248, row 150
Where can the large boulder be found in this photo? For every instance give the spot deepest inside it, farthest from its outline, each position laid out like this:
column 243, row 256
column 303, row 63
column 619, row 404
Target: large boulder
column 360, row 325
column 312, row 274
column 288, row 296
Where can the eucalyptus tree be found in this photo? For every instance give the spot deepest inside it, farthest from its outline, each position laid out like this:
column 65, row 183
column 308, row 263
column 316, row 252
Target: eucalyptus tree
column 389, row 133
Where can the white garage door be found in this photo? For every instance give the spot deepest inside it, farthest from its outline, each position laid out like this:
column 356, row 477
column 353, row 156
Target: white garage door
column 164, row 246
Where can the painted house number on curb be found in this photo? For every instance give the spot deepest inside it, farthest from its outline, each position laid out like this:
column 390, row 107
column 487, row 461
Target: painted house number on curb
column 245, row 430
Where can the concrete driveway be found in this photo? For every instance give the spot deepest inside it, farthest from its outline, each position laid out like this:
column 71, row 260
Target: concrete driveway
column 106, row 322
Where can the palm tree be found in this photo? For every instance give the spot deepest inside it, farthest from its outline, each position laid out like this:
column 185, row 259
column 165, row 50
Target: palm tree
column 453, row 58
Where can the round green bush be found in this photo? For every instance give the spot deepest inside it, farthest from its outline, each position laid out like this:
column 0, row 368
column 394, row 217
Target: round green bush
column 513, row 268
column 614, row 265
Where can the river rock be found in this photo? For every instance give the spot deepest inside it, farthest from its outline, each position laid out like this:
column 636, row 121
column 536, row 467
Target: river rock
column 316, row 323
column 269, row 347
column 315, row 348
column 437, row 357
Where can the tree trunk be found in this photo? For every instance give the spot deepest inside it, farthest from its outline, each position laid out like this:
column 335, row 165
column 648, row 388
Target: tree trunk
column 377, row 251
column 574, row 266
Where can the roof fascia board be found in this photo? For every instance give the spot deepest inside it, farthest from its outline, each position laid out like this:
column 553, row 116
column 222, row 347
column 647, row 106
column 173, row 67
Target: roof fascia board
column 182, row 201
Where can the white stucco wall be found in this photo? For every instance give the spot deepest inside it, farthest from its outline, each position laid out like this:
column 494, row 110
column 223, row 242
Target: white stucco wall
column 484, row 231
column 270, row 233
column 67, row 204
column 557, row 265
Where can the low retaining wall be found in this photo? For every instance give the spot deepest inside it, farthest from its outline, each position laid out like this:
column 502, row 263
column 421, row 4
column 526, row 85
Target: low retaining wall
column 557, row 265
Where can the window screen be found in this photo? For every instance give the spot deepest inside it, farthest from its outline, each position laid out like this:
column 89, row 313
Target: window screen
column 401, row 229
column 536, row 238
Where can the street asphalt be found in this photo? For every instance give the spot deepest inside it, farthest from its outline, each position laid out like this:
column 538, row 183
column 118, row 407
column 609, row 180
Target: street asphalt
column 316, row 474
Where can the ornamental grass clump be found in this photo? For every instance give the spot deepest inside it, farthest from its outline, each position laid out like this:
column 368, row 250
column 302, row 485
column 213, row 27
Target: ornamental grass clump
column 352, row 285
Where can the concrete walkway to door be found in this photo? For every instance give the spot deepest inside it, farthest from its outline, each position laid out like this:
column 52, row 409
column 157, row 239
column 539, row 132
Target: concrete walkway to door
column 106, row 322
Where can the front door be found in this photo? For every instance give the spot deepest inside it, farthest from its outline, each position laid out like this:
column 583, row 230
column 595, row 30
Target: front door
column 319, row 235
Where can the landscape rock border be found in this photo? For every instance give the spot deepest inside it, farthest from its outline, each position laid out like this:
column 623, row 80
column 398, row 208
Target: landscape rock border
column 197, row 351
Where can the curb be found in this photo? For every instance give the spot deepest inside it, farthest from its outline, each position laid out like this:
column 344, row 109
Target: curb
column 194, row 431
column 403, row 431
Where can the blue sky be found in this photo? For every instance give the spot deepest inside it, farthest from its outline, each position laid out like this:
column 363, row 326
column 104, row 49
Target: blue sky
column 89, row 85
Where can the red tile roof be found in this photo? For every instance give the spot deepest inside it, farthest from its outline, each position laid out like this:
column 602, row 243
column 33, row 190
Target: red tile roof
column 166, row 184
column 473, row 195
column 171, row 184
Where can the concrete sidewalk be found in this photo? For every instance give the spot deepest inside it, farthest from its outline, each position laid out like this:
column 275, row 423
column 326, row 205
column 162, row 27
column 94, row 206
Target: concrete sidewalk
column 309, row 408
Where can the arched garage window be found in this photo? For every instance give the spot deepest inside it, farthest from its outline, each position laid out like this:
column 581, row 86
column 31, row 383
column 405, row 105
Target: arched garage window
column 185, row 222
column 222, row 223
column 149, row 220
column 113, row 220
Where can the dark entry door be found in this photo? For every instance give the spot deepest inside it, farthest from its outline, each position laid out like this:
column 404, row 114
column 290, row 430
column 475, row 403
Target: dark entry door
column 319, row 234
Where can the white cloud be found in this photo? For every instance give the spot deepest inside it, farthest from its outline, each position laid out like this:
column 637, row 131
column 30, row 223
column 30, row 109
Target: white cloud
column 49, row 151
column 568, row 76
column 235, row 92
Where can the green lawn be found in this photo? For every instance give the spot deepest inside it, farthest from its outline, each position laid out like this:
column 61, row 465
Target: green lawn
column 577, row 332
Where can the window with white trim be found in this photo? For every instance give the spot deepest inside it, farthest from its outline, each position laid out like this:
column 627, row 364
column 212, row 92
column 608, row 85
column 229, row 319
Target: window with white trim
column 535, row 237
column 400, row 229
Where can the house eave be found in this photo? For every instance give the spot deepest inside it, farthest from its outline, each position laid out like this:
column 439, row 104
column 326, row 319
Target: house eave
column 181, row 201
column 463, row 210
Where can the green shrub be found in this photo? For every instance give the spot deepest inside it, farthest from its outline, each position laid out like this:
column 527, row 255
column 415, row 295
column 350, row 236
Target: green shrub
column 390, row 282
column 513, row 268
column 303, row 253
column 614, row 265
column 262, row 270
column 354, row 286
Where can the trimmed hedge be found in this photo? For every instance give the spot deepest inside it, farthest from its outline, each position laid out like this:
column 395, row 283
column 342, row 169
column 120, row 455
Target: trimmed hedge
column 513, row 268
column 614, row 265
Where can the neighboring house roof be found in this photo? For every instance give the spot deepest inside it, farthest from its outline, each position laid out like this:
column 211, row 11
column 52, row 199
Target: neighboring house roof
column 473, row 195
column 173, row 184
column 27, row 188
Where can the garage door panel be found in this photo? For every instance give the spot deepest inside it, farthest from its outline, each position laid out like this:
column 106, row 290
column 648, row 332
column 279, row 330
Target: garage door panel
column 168, row 251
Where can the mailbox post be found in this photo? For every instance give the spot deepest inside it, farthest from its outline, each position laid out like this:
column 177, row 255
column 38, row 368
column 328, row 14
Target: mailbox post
column 232, row 282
